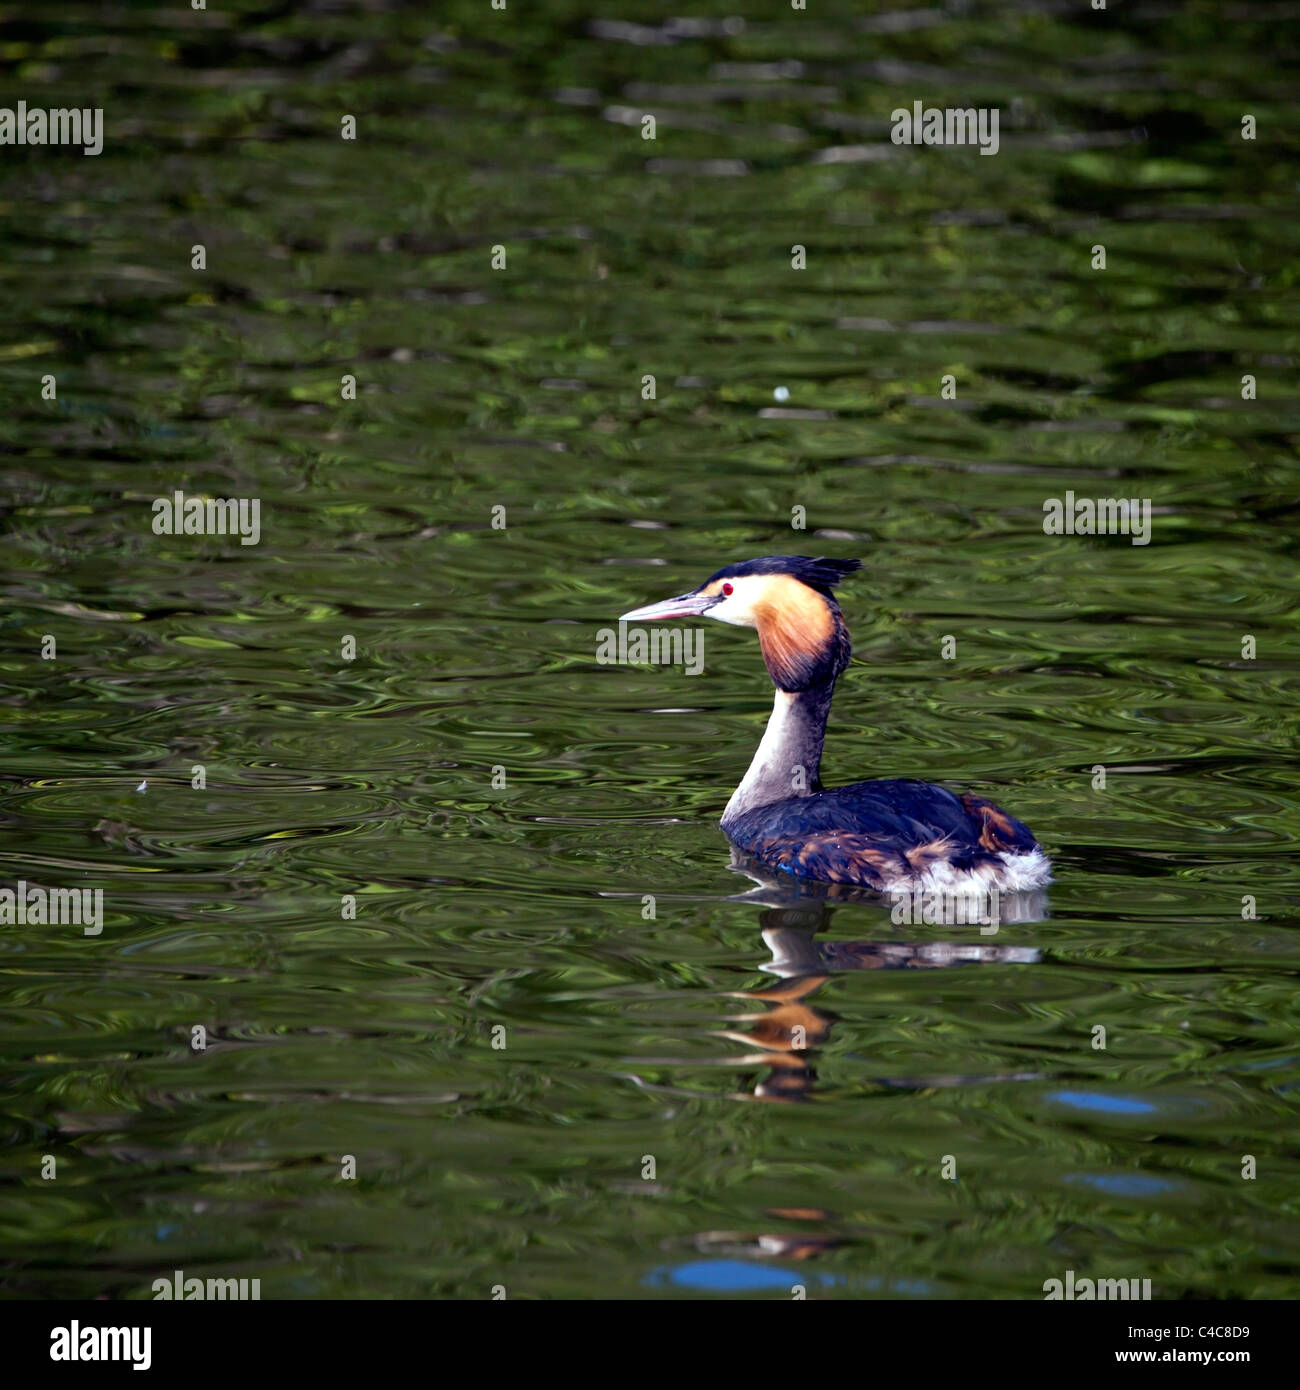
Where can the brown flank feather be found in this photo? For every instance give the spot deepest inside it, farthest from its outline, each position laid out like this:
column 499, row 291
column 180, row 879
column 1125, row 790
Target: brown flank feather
column 836, row 857
column 996, row 832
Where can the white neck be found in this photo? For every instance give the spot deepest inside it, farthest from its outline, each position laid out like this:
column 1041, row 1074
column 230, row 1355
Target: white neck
column 788, row 760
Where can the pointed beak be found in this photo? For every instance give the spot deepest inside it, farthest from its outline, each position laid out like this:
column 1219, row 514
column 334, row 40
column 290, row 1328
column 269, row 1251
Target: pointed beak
column 687, row 606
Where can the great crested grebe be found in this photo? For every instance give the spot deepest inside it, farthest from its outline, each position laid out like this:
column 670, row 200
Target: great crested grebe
column 887, row 835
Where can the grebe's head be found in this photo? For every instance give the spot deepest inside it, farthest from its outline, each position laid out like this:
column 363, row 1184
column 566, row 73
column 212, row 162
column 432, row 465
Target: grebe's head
column 788, row 599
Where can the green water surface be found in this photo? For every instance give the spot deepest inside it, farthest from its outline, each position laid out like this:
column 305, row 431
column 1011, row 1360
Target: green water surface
column 649, row 1127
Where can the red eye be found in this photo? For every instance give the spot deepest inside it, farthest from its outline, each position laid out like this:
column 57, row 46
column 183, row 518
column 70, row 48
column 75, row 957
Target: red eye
column 726, row 588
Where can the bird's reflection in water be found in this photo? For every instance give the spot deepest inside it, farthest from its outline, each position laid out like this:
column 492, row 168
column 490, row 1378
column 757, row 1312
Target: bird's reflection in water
column 789, row 1030
column 783, row 1034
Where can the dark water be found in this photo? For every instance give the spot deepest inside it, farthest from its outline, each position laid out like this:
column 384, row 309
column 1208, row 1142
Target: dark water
column 520, row 906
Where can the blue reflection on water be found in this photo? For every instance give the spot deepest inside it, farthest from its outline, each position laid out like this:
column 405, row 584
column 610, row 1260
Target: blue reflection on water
column 1114, row 1105
column 736, row 1275
column 1125, row 1184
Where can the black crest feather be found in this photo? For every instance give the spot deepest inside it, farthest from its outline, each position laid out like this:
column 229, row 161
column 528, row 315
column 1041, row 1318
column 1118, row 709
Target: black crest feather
column 820, row 574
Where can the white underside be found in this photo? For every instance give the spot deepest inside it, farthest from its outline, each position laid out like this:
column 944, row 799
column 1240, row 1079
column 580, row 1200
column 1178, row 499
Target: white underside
column 1015, row 873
